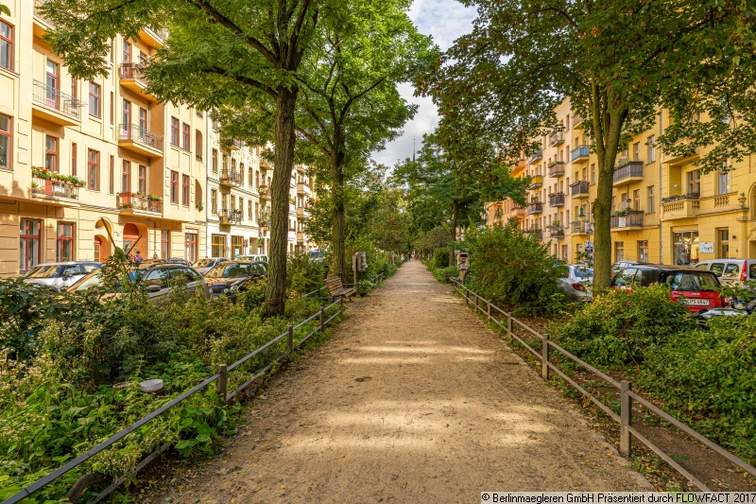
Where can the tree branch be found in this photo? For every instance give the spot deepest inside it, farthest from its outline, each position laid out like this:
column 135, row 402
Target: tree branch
column 242, row 79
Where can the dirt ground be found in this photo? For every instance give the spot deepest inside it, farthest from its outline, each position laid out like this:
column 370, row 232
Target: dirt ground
column 411, row 400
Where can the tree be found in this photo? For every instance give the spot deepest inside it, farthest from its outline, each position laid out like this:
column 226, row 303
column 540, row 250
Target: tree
column 618, row 61
column 220, row 57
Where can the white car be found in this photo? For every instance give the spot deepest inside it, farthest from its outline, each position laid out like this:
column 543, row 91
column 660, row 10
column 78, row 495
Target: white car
column 731, row 271
column 577, row 282
column 60, row 276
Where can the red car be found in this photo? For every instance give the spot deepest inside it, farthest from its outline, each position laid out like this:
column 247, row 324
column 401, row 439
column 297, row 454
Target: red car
column 698, row 290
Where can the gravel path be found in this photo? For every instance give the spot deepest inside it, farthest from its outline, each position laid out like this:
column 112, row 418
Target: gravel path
column 412, row 400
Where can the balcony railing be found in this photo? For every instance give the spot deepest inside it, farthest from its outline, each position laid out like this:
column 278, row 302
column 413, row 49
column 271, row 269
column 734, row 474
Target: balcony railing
column 300, row 212
column 579, row 188
column 681, row 206
column 231, row 177
column 556, row 138
column 535, row 156
column 581, row 227
column 537, row 232
column 47, row 188
column 535, row 207
column 228, row 217
column 54, row 99
column 556, row 199
column 132, row 71
column 556, row 168
column 138, row 134
column 628, row 170
column 580, row 152
column 139, row 201
column 536, row 181
column 556, row 232
column 631, row 219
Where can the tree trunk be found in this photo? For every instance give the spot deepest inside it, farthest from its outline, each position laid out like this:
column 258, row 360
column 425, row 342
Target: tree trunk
column 338, row 217
column 453, row 236
column 275, row 292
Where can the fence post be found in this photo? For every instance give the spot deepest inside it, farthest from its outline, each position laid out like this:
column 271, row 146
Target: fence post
column 222, row 382
column 626, row 418
column 290, row 339
column 322, row 318
column 488, row 309
column 545, row 357
column 509, row 327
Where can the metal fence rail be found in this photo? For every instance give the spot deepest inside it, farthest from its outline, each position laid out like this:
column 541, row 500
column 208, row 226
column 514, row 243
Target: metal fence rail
column 624, row 387
column 324, row 318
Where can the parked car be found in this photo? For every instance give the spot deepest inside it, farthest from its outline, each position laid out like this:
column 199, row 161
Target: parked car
column 621, row 265
column 178, row 260
column 255, row 258
column 158, row 277
column 206, row 264
column 731, row 271
column 698, row 290
column 233, row 276
column 60, row 275
column 577, row 282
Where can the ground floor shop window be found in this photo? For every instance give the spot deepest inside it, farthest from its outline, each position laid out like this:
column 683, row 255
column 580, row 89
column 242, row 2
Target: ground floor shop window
column 685, row 247
column 237, row 246
column 219, row 245
column 30, row 239
column 643, row 251
column 190, row 245
column 65, row 242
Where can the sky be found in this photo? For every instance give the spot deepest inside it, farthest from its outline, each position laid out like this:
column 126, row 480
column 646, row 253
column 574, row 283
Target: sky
column 444, row 20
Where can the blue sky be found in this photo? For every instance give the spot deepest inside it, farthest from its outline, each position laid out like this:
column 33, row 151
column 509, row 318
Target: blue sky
column 444, row 20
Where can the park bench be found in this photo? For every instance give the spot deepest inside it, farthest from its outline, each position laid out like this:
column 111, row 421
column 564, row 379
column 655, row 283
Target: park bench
column 337, row 289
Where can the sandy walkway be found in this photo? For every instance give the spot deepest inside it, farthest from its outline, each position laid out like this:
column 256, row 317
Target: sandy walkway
column 413, row 400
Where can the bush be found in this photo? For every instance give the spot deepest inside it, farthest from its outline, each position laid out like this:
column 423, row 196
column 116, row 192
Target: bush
column 623, row 327
column 444, row 274
column 707, row 378
column 303, row 274
column 514, row 270
column 440, row 258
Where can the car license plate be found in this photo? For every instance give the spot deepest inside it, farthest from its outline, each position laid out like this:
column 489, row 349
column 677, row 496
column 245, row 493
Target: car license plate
column 696, row 302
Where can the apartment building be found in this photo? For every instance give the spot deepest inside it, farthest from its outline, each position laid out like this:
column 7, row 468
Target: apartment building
column 502, row 212
column 663, row 209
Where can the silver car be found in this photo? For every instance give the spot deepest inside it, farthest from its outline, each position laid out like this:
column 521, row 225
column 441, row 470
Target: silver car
column 577, row 282
column 61, row 275
column 208, row 263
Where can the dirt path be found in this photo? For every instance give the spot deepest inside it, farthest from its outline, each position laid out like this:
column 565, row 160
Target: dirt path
column 412, row 400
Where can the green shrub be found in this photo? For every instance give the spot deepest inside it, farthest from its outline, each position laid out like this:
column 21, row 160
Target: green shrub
column 514, row 270
column 440, row 258
column 444, row 274
column 303, row 274
column 707, row 377
column 622, row 327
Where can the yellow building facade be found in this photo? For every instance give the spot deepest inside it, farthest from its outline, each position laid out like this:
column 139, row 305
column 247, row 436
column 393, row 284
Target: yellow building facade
column 663, row 209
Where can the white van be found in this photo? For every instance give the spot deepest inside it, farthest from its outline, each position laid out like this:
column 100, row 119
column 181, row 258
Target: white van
column 731, row 271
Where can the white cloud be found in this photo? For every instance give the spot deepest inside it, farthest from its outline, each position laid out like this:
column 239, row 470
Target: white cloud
column 444, row 20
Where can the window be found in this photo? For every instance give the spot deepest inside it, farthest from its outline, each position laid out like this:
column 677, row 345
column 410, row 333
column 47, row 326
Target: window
column 29, row 244
column 51, row 153
column 74, row 158
column 651, row 149
column 219, row 245
column 636, row 199
column 6, row 141
column 185, row 190
column 636, row 151
column 251, row 176
column 52, row 81
column 95, row 100
column 126, row 176
column 142, row 121
column 142, row 179
column 214, row 201
column 93, row 170
column 241, row 173
column 165, row 244
column 126, row 117
column 6, row 46
column 650, row 200
column 198, row 146
column 694, row 182
column 249, row 210
column 723, row 181
column 65, row 242
column 619, row 251
column 126, row 54
column 215, row 160
column 643, row 251
column 723, row 243
column 593, row 173
column 174, row 186
column 185, row 137
column 174, row 131
column 111, row 175
column 190, row 246
column 111, row 104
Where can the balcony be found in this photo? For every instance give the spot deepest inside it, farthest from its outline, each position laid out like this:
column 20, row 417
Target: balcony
column 627, row 172
column 680, row 206
column 627, row 220
column 580, row 154
column 138, row 139
column 581, row 228
column 132, row 78
column 535, row 156
column 518, row 212
column 228, row 217
column 52, row 105
column 300, row 236
column 536, row 182
column 577, row 121
column 54, row 187
column 536, row 232
column 556, row 138
column 579, row 189
column 301, row 188
column 41, row 24
column 263, row 220
column 139, row 204
column 556, row 199
column 153, row 37
column 556, row 232
column 535, row 207
column 300, row 212
column 230, row 178
column 556, row 168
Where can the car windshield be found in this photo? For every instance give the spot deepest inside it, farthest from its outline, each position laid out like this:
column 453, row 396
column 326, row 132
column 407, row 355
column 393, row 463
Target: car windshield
column 693, row 281
column 583, row 273
column 49, row 271
column 204, row 263
column 87, row 282
column 229, row 270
